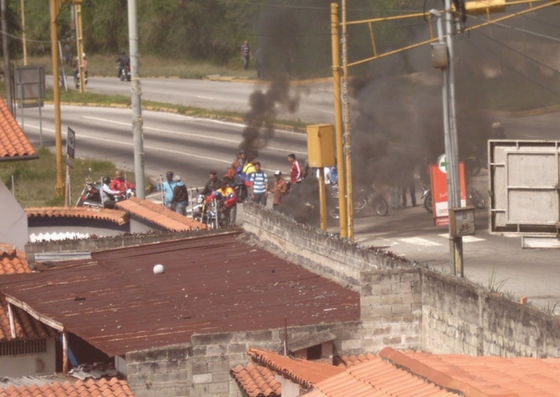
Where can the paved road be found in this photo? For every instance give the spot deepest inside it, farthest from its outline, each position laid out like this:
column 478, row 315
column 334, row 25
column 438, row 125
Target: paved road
column 316, row 100
column 192, row 146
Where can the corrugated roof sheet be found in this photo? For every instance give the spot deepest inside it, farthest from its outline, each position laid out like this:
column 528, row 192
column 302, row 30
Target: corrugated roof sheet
column 14, row 145
column 12, row 261
column 116, row 216
column 91, row 388
column 211, row 284
column 256, row 380
column 484, row 376
column 163, row 217
column 303, row 372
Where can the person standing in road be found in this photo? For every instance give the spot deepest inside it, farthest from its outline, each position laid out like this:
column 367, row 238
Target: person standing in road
column 180, row 198
column 407, row 185
column 279, row 190
column 167, row 189
column 295, row 169
column 259, row 185
column 245, row 54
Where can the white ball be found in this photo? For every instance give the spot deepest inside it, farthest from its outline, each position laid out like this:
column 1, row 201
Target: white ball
column 158, row 269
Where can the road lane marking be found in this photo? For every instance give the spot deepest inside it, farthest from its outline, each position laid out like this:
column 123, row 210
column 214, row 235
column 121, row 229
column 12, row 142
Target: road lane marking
column 419, row 241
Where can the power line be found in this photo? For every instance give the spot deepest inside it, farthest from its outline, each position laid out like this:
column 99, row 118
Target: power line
column 545, row 87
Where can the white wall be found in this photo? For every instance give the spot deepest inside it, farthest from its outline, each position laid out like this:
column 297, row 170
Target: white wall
column 13, row 221
column 30, row 364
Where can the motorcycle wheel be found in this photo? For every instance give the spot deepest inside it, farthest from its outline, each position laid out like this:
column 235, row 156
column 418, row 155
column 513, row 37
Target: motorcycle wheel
column 80, row 202
column 477, row 200
column 380, row 206
column 122, row 77
column 128, row 78
column 334, row 213
column 360, row 202
column 428, row 203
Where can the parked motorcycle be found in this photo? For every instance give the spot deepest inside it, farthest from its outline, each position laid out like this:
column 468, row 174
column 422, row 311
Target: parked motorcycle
column 361, row 200
column 474, row 196
column 77, row 79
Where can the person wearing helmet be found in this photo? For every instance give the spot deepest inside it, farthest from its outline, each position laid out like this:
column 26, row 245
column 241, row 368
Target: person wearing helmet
column 167, row 188
column 108, row 195
column 123, row 60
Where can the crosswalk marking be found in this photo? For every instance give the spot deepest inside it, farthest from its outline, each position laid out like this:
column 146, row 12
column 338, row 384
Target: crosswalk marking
column 466, row 239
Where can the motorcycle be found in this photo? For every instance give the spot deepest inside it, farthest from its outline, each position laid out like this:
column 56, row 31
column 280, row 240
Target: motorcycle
column 362, row 199
column 212, row 214
column 124, row 73
column 474, row 196
column 77, row 79
column 91, row 195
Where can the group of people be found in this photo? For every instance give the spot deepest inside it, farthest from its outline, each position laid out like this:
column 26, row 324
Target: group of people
column 175, row 195
column 114, row 190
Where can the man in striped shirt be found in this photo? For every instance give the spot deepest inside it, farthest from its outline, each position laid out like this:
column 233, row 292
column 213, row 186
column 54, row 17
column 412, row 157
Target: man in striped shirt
column 259, row 185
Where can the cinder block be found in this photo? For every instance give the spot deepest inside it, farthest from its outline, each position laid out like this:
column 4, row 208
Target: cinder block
column 202, row 378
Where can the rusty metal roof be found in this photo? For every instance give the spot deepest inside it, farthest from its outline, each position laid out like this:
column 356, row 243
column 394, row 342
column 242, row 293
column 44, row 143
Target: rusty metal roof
column 210, row 284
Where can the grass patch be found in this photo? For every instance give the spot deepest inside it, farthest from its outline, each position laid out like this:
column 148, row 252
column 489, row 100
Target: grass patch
column 34, row 181
column 151, row 66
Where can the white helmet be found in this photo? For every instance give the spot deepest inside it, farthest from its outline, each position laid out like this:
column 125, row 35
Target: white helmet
column 496, row 124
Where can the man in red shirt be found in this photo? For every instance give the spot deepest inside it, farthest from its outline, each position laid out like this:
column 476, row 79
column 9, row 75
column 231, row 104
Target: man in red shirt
column 120, row 184
column 295, row 170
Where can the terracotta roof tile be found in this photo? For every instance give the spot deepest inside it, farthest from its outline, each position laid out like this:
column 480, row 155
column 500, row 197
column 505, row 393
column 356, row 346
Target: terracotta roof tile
column 484, row 376
column 163, row 217
column 90, row 388
column 12, row 261
column 106, row 214
column 349, row 361
column 14, row 144
column 377, row 378
column 303, row 372
column 256, row 380
column 27, row 327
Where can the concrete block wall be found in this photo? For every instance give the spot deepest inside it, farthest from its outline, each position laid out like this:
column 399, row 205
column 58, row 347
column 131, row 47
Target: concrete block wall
column 391, row 309
column 202, row 368
column 464, row 318
column 160, row 372
column 315, row 250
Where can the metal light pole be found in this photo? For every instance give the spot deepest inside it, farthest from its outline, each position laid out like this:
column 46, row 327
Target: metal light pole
column 137, row 121
column 450, row 133
column 454, row 194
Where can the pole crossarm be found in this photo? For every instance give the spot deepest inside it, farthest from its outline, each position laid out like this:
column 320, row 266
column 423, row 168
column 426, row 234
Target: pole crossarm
column 481, row 7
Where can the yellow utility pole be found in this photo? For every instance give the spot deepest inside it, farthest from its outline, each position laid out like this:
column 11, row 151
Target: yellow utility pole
column 347, row 135
column 55, row 6
column 77, row 8
column 341, row 163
